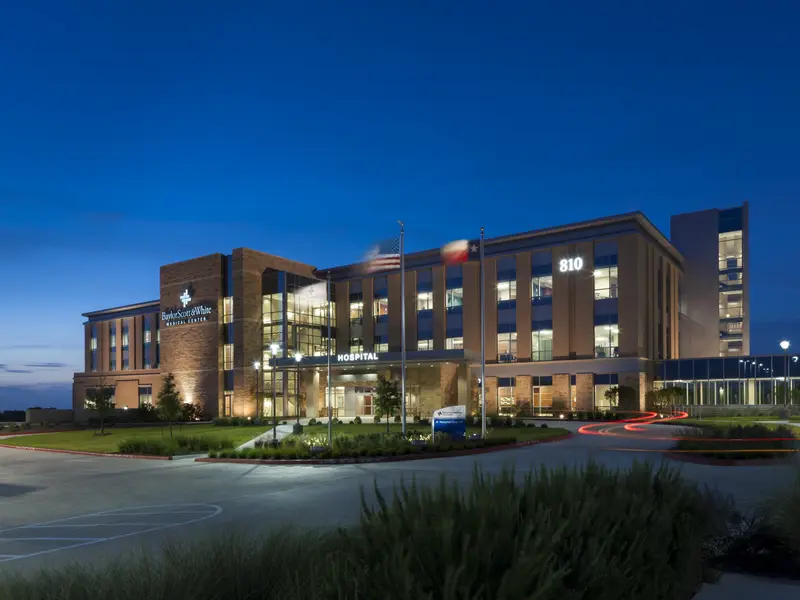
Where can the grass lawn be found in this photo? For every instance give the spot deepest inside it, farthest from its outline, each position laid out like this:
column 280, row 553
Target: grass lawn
column 521, row 433
column 86, row 440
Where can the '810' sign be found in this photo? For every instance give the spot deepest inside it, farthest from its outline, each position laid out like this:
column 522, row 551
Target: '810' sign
column 570, row 264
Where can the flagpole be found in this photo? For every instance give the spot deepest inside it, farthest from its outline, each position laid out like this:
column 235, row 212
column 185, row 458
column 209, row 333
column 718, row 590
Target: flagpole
column 483, row 345
column 330, row 403
column 402, row 329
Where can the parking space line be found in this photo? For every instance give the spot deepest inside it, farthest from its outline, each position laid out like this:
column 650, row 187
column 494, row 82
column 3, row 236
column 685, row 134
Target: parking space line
column 208, row 511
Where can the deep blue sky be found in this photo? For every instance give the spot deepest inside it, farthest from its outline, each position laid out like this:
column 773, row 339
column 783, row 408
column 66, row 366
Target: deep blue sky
column 135, row 133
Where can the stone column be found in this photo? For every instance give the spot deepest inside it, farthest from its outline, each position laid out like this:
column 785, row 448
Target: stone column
column 585, row 391
column 561, row 396
column 522, row 393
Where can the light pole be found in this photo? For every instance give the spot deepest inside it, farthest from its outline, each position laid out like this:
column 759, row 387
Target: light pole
column 273, row 359
column 297, row 358
column 257, row 367
column 785, row 347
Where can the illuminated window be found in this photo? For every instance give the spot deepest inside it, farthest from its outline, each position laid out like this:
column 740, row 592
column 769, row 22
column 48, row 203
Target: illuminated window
column 227, row 309
column 356, row 344
column 93, row 343
column 542, row 344
column 424, row 344
column 454, row 343
column 606, row 280
column 505, row 396
column 147, row 336
column 542, row 288
column 425, row 301
column 227, row 404
column 506, row 290
column 454, row 297
column 227, row 357
column 380, row 307
column 145, row 395
column 507, row 347
column 382, row 347
column 112, row 336
column 606, row 341
column 356, row 311
column 125, row 335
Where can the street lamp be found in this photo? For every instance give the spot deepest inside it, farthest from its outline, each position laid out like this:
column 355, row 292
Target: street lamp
column 257, row 367
column 273, row 348
column 785, row 347
column 297, row 358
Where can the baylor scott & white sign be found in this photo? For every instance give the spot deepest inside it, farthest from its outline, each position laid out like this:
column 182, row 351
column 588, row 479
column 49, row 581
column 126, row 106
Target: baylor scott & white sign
column 187, row 314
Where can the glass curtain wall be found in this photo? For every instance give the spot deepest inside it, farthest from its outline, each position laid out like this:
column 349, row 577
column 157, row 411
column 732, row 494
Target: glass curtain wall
column 295, row 320
column 750, row 380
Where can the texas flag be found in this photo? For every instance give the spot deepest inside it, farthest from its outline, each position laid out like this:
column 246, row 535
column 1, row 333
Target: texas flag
column 461, row 251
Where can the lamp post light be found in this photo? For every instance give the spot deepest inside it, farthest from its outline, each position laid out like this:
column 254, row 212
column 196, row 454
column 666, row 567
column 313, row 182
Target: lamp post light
column 257, row 367
column 273, row 348
column 785, row 347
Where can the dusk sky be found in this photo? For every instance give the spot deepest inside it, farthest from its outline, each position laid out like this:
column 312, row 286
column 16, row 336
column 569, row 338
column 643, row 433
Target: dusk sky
column 137, row 133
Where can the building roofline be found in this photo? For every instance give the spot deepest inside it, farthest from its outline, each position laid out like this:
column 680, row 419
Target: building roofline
column 120, row 309
column 638, row 217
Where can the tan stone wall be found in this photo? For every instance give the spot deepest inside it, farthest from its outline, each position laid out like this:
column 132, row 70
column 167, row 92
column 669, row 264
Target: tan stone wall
column 522, row 392
column 439, row 308
column 561, row 390
column 126, row 386
column 448, row 384
column 584, row 382
column 524, row 306
column 491, row 396
column 471, row 309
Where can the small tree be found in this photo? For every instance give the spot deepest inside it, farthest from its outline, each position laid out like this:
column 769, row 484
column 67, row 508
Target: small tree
column 169, row 401
column 612, row 396
column 627, row 398
column 386, row 399
column 100, row 400
column 796, row 396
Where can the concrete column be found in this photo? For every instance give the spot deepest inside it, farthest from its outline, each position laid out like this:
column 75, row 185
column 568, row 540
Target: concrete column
column 562, row 300
column 394, row 312
column 491, row 396
column 582, row 330
column 368, row 326
column 471, row 309
column 448, row 383
column 490, row 295
column 87, row 347
column 439, row 308
column 524, row 307
column 411, row 310
column 342, row 316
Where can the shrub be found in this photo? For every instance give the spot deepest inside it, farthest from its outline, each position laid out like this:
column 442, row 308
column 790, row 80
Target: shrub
column 312, row 421
column 258, row 444
column 357, row 420
column 543, row 425
column 570, row 416
column 377, row 419
column 148, row 447
column 284, row 422
column 397, row 419
column 738, row 442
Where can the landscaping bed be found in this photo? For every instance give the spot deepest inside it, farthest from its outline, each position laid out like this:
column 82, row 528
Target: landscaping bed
column 154, row 441
column 736, row 443
column 370, row 446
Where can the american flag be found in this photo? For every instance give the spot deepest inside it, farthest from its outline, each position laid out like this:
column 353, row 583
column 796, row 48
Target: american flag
column 383, row 256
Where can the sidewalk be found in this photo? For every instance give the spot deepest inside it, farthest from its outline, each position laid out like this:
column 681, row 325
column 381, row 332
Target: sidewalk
column 267, row 436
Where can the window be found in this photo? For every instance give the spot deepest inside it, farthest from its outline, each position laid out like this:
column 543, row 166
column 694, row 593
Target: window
column 454, row 343
column 454, row 297
column 381, row 346
column 356, row 344
column 125, row 335
column 93, row 341
column 505, row 396
column 112, row 351
column 227, row 403
column 507, row 347
column 606, row 340
column 605, row 282
column 507, row 268
column 542, row 288
column 730, row 306
column 380, row 287
column 730, row 250
column 227, row 309
column 148, row 335
column 93, row 349
column 424, row 344
column 112, row 336
column 145, row 395
column 425, row 301
column 542, row 344
column 227, row 357
column 506, row 290
column 380, row 307
column 454, row 277
column 356, row 311
column 424, row 280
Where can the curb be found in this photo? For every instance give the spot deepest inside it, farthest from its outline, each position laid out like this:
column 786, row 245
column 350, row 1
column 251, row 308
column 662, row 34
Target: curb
column 21, row 433
column 379, row 459
column 85, row 453
column 726, row 462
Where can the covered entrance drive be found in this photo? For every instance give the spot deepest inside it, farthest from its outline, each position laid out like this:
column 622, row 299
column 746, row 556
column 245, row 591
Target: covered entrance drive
column 433, row 379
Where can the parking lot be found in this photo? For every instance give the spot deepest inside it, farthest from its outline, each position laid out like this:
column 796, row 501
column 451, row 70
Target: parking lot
column 58, row 508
